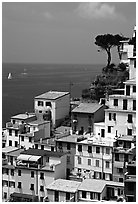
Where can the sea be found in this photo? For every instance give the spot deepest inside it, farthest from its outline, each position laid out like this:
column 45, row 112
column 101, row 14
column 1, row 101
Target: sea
column 30, row 80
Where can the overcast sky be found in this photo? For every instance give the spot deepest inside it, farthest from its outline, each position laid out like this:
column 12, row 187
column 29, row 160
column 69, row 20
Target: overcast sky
column 62, row 32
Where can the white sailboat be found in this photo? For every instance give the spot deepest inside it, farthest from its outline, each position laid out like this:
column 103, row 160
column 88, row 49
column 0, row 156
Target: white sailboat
column 10, row 76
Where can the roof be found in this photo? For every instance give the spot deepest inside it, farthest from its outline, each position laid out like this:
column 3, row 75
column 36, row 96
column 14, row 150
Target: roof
column 39, row 152
column 87, row 108
column 131, row 81
column 9, row 149
column 69, row 138
column 23, row 116
column 8, row 166
column 38, row 122
column 22, row 195
column 64, row 185
column 52, row 95
column 15, row 153
column 96, row 185
column 92, row 185
column 62, row 129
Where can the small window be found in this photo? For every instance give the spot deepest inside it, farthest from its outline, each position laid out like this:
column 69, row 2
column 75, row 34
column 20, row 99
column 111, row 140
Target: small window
column 67, row 196
column 129, row 118
column 41, row 199
column 16, row 132
column 10, row 132
column 97, row 163
column 116, row 157
column 83, row 194
column 134, row 89
column 22, row 138
column 32, row 174
column 32, row 187
column 110, row 116
column 40, row 103
column 134, row 104
column 89, row 162
column 109, row 129
column 89, row 149
column 16, row 144
column 12, row 172
column 30, row 139
column 107, row 164
column 40, row 111
column 115, row 102
column 68, row 159
column 120, row 170
column 36, row 146
column 47, row 159
column 107, row 150
column 19, row 172
column 79, row 148
column 114, row 116
column 68, row 146
column 48, row 104
column 52, row 149
column 42, row 147
column 79, row 160
column 5, row 195
column 41, row 188
column 41, row 175
column 97, row 150
column 19, row 185
column 10, row 142
column 129, row 131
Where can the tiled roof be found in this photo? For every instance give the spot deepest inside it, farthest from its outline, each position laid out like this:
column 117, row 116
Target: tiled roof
column 39, row 152
column 51, row 95
column 64, row 185
column 87, row 108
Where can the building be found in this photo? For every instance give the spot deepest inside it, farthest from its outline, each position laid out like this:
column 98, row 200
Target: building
column 63, row 191
column 98, row 190
column 35, row 169
column 130, row 182
column 85, row 115
column 53, row 106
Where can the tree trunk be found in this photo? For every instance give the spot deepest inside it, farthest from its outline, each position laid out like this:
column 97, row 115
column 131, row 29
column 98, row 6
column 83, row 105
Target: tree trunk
column 108, row 58
column 119, row 53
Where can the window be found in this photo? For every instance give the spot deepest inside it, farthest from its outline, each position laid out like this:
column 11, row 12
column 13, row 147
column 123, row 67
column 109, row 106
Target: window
column 30, row 139
column 121, row 180
column 32, row 174
column 134, row 89
column 124, row 104
column 89, row 162
column 22, row 138
column 5, row 195
column 79, row 160
column 97, row 150
column 131, row 186
column 134, row 63
column 12, row 184
column 41, row 188
column 12, row 172
column 114, row 116
column 127, row 90
column 83, row 194
column 40, row 111
column 41, row 175
column 32, row 187
column 116, row 157
column 19, row 172
column 16, row 144
column 115, row 102
column 10, row 142
column 79, row 148
column 129, row 118
column 10, row 132
column 52, row 149
column 129, row 131
column 48, row 104
column 47, row 159
column 4, row 183
column 19, row 185
column 89, row 149
column 67, row 196
column 97, row 163
column 16, row 132
column 42, row 147
column 36, row 146
column 134, row 104
column 68, row 159
column 120, row 170
column 41, row 199
column 40, row 103
column 107, row 164
column 102, row 132
column 68, row 146
column 110, row 116
column 109, row 129
column 107, row 150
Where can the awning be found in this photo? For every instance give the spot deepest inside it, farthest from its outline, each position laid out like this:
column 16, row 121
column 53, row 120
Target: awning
column 34, row 158
column 23, row 157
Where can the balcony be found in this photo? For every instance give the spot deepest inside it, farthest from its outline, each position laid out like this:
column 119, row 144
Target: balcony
column 11, row 125
column 122, row 150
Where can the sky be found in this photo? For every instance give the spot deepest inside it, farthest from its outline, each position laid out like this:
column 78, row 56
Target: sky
column 62, row 32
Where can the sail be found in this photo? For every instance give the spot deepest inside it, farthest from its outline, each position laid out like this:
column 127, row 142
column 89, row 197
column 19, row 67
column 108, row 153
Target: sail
column 10, row 76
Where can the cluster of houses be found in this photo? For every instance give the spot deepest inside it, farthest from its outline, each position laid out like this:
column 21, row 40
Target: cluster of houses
column 92, row 160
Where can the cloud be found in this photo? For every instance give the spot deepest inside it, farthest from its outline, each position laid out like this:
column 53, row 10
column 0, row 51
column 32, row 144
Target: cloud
column 96, row 10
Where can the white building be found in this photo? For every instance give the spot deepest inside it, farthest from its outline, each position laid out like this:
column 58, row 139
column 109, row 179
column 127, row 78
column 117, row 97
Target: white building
column 53, row 106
